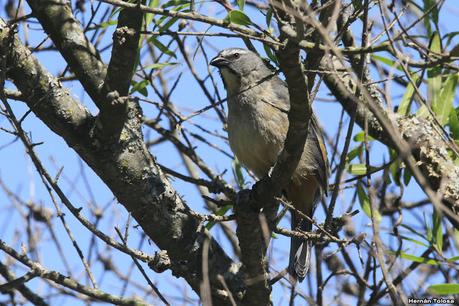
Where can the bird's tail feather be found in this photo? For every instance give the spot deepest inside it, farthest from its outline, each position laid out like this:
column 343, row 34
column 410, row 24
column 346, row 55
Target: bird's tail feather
column 300, row 254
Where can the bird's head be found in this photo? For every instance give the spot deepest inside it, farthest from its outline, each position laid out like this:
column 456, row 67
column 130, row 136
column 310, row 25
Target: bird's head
column 238, row 66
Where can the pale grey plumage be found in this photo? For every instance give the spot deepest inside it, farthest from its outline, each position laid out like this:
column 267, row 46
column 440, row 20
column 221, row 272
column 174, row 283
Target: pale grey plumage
column 258, row 104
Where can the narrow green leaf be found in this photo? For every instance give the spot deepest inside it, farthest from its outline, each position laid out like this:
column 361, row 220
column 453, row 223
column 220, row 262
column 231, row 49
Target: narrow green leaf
column 238, row 17
column 444, row 104
column 354, row 153
column 237, row 173
column 454, row 123
column 357, row 169
column 241, row 4
column 149, row 16
column 220, row 212
column 419, row 259
column 387, row 61
column 453, row 259
column 443, row 289
column 405, row 103
column 168, row 24
column 269, row 16
column 108, row 23
column 434, row 74
column 422, row 112
column 161, row 47
column 412, row 240
column 174, row 3
column 431, row 5
column 415, row 232
column 140, row 87
column 407, row 176
column 155, row 66
column 365, row 203
column 360, row 137
column 270, row 53
column 437, row 231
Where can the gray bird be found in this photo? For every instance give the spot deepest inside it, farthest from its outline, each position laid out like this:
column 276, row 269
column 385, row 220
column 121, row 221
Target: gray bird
column 258, row 104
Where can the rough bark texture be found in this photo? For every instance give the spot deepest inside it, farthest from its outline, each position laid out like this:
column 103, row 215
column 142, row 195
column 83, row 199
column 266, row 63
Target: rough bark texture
column 125, row 165
column 428, row 146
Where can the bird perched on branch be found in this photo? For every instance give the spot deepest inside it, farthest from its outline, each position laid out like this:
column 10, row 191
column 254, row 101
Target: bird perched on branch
column 258, row 104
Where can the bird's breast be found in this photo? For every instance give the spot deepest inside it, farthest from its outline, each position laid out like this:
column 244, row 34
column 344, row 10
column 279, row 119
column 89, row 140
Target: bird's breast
column 256, row 133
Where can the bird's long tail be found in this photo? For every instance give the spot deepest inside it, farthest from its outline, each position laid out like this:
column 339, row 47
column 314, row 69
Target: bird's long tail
column 300, row 251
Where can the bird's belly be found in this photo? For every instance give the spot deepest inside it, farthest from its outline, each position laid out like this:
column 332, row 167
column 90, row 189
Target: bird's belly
column 253, row 147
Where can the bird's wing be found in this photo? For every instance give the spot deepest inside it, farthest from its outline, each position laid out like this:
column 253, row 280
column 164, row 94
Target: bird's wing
column 321, row 168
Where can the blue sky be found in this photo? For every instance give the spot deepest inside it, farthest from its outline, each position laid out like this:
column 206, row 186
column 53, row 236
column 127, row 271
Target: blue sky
column 18, row 173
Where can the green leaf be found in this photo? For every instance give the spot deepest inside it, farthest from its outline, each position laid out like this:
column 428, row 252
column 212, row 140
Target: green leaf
column 241, row 4
column 237, row 173
column 404, row 106
column 412, row 240
column 415, row 232
column 149, row 16
column 443, row 289
column 238, row 17
column 419, row 259
column 430, row 5
column 407, row 176
column 434, row 74
column 395, row 167
column 454, row 123
column 357, row 169
column 174, row 3
column 360, row 137
column 365, row 203
column 161, row 47
column 453, row 259
column 156, row 66
column 437, row 231
column 444, row 104
column 140, row 87
column 269, row 16
column 270, row 53
column 220, row 212
column 108, row 23
column 354, row 153
column 387, row 61
column 168, row 24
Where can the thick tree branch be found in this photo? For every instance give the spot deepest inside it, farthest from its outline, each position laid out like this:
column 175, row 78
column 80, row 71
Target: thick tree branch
column 427, row 144
column 119, row 72
column 126, row 166
column 65, row 31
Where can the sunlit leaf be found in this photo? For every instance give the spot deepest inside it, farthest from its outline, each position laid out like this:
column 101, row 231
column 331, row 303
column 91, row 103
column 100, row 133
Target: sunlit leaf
column 387, row 61
column 444, row 104
column 360, row 137
column 237, row 173
column 220, row 212
column 155, row 66
column 407, row 175
column 405, row 103
column 443, row 289
column 454, row 123
column 161, row 47
column 241, row 4
column 434, row 74
column 238, row 17
column 419, row 259
column 357, row 169
column 365, row 203
column 354, row 153
column 437, row 231
column 140, row 87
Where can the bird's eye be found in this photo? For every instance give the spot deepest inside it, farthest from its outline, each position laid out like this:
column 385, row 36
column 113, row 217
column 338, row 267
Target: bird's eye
column 236, row 55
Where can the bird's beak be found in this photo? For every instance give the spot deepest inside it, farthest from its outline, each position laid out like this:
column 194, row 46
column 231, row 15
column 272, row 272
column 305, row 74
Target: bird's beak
column 219, row 61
